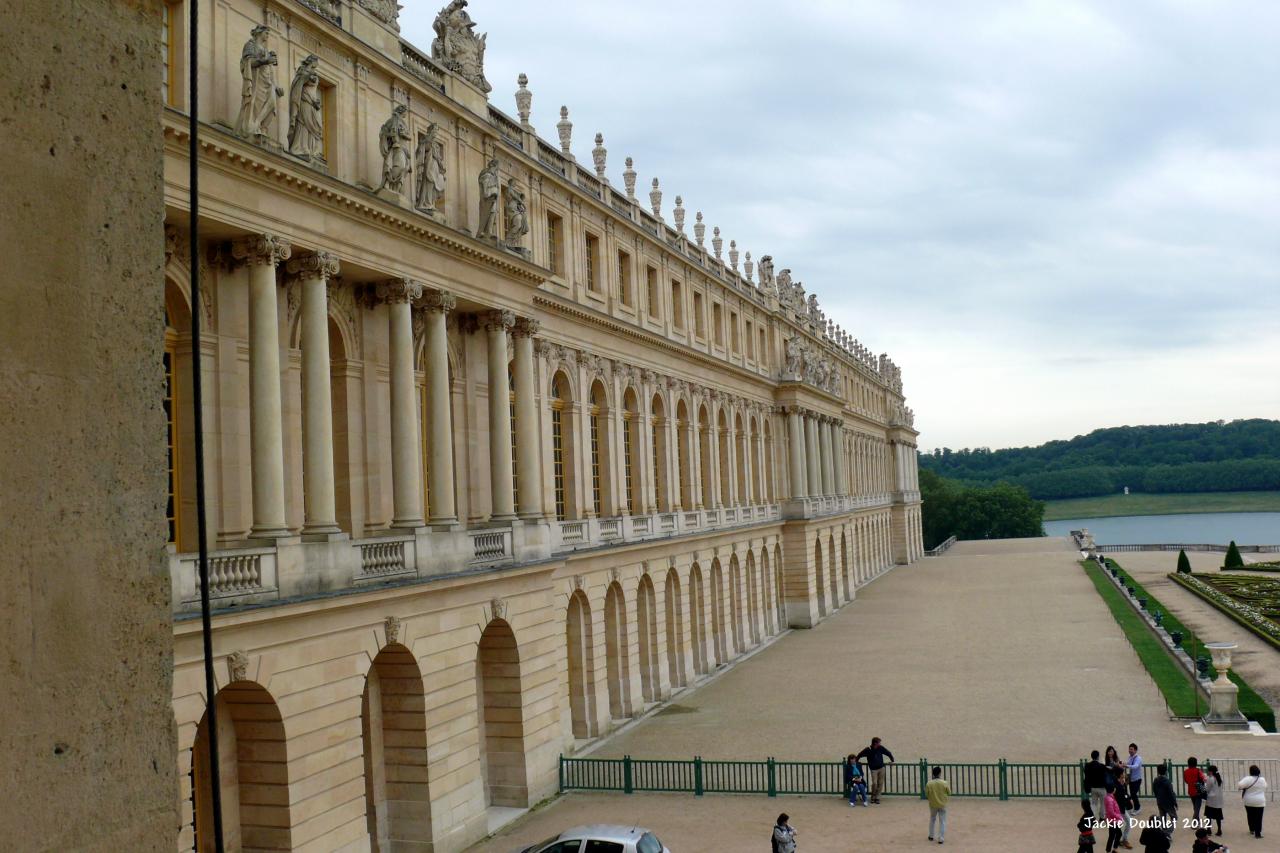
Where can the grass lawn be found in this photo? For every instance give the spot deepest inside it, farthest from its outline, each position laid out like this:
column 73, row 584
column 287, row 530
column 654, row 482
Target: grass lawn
column 1168, row 675
column 1146, row 504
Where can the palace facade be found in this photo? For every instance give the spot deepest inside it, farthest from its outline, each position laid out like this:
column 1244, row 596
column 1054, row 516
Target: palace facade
column 498, row 454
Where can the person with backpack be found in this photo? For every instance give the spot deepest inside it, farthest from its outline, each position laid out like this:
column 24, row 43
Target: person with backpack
column 1193, row 777
column 784, row 835
column 1253, row 790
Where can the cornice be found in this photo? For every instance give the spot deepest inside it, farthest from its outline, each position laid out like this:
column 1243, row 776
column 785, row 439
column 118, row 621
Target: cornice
column 227, row 151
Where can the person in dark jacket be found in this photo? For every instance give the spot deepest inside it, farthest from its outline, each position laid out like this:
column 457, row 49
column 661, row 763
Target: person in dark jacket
column 1084, row 826
column 1154, row 840
column 784, row 836
column 1095, row 782
column 1166, row 797
column 875, row 756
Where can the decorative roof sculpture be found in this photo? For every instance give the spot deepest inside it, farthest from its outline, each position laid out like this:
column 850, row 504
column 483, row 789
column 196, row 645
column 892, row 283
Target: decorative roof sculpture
column 457, row 47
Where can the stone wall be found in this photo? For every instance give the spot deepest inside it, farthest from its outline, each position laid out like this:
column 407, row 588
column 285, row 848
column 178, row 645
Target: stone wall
column 86, row 728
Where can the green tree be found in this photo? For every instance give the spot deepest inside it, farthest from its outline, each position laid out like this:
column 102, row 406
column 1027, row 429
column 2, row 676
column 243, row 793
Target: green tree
column 1233, row 560
column 1184, row 565
column 1002, row 511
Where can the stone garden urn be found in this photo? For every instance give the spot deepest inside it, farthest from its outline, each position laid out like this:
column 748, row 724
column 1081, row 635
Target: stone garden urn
column 1176, row 636
column 1224, row 708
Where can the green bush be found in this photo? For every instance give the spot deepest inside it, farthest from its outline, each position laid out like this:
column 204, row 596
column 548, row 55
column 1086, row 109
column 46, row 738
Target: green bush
column 1184, row 565
column 1233, row 560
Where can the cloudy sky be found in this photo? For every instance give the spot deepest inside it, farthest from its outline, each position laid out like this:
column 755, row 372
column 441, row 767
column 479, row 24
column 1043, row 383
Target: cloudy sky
column 1055, row 216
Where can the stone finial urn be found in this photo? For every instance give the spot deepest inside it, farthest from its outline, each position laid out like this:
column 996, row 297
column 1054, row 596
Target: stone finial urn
column 1224, row 696
column 1221, row 653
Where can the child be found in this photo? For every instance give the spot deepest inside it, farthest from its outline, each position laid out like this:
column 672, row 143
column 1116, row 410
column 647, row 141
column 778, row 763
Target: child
column 855, row 781
column 1085, row 827
column 1205, row 844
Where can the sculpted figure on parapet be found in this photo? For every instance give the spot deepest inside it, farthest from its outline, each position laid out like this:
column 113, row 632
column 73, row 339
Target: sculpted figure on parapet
column 428, row 160
column 457, row 48
column 784, row 286
column 258, row 89
column 393, row 142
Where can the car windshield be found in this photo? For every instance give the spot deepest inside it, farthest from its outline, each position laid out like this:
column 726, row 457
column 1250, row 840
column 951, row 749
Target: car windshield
column 648, row 844
column 543, row 843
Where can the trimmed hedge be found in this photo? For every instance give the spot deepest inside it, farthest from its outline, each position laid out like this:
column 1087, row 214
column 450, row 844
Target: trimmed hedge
column 1255, row 622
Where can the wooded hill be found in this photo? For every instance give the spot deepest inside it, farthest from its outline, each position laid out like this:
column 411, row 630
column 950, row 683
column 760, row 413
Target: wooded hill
column 1241, row 455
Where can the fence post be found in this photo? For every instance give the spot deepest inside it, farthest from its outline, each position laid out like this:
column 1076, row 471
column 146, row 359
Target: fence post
column 697, row 775
column 924, row 776
column 1084, row 789
column 773, row 777
column 626, row 775
column 562, row 772
column 1004, row 779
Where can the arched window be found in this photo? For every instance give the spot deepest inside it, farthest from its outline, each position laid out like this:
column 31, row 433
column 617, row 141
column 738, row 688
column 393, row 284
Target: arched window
column 599, row 451
column 770, row 496
column 659, row 430
column 562, row 448
column 630, row 453
column 726, row 493
column 740, row 447
column 176, row 403
column 685, row 495
column 704, row 453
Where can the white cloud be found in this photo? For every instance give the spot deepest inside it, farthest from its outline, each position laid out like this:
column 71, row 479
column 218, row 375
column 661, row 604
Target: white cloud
column 1054, row 215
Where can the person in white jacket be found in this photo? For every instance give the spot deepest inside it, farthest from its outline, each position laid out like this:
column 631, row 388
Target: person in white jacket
column 1253, row 790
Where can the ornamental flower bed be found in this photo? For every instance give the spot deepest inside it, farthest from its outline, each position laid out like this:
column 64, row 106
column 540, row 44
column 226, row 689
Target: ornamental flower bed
column 1252, row 601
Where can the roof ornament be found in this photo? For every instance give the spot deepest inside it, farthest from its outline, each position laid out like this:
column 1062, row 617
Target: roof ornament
column 655, row 199
column 629, row 179
column 524, row 98
column 564, row 128
column 598, row 155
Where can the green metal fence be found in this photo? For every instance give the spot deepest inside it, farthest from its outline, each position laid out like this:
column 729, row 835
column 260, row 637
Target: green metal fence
column 1001, row 780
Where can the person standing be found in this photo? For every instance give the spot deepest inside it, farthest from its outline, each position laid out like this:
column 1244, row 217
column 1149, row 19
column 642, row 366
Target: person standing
column 1095, row 782
column 1085, row 827
column 1193, row 778
column 1111, row 812
column 875, row 756
column 938, row 792
column 784, row 836
column 1253, row 790
column 1111, row 759
column 1166, row 797
column 1135, row 776
column 1213, row 796
column 1126, row 806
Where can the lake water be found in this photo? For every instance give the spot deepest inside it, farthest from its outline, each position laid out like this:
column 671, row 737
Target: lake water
column 1211, row 528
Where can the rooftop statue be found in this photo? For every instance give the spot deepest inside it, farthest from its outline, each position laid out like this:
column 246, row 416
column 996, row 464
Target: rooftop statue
column 457, row 48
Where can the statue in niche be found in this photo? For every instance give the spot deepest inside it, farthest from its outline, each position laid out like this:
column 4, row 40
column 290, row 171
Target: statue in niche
column 258, row 89
column 429, row 161
column 795, row 356
column 306, row 126
column 393, row 142
column 457, row 47
column 490, row 186
column 516, row 221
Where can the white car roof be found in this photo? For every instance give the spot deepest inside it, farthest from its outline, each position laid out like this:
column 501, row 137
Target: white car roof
column 604, row 832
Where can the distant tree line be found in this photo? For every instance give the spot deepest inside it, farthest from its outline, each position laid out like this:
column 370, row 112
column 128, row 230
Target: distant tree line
column 1000, row 511
column 1222, row 456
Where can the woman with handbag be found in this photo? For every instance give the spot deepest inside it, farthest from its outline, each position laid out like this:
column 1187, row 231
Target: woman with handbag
column 1253, row 790
column 1193, row 778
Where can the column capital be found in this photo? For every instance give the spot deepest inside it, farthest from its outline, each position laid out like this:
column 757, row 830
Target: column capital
column 498, row 319
column 438, row 301
column 261, row 249
column 321, row 265
column 395, row 290
column 525, row 327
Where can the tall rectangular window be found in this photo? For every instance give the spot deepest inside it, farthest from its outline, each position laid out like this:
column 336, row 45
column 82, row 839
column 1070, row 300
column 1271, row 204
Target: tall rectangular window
column 557, row 456
column 677, row 304
column 596, row 501
column 170, row 36
column 762, row 353
column 555, row 244
column 717, row 323
column 699, row 322
column 651, row 291
column 627, row 425
column 751, row 340
column 593, row 262
column 624, row 278
column 733, row 331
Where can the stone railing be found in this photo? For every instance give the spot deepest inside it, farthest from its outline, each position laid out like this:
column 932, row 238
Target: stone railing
column 422, row 67
column 573, row 532
column 552, row 159
column 941, row 549
column 241, row 572
column 508, row 128
column 385, row 556
column 593, row 532
column 1216, row 549
column 491, row 545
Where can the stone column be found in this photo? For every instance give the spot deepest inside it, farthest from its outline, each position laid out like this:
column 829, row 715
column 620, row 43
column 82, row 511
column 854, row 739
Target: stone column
column 406, row 464
column 266, row 439
column 501, row 483
column 314, row 272
column 841, row 460
column 439, row 424
column 530, row 483
column 713, row 442
column 813, row 456
column 795, row 442
column 828, row 457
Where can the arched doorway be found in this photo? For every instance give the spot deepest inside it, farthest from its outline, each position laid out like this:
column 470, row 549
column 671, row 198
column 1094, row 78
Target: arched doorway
column 563, row 449
column 582, row 675
column 704, row 457
column 658, row 432
column 737, row 618
column 675, row 631
column 779, row 599
column 698, row 620
column 683, row 452
column 753, row 600
column 394, row 729
column 501, row 717
column 844, row 565
column 254, row 773
column 647, row 628
column 832, row 573
column 633, row 481
column 819, row 583
column 617, row 663
column 718, row 639
column 597, row 421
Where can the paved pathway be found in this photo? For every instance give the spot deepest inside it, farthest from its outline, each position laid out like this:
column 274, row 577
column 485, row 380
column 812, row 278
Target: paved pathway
column 1256, row 660
column 997, row 649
